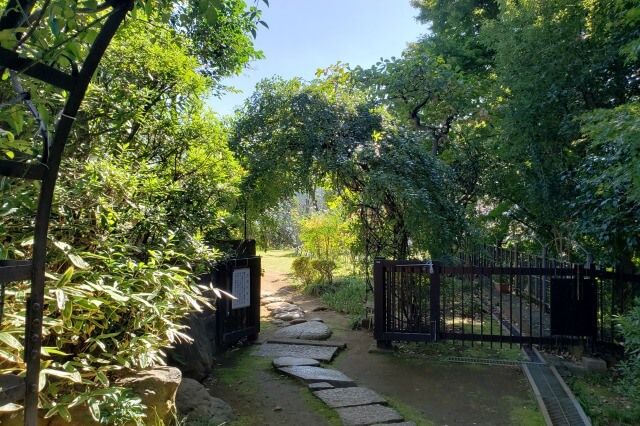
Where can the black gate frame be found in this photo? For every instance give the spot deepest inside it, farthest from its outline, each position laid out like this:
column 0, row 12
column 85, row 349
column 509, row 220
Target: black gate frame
column 233, row 325
column 394, row 282
column 385, row 324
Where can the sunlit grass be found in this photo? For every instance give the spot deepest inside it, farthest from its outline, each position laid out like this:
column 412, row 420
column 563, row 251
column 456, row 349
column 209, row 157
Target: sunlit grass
column 278, row 261
column 474, row 326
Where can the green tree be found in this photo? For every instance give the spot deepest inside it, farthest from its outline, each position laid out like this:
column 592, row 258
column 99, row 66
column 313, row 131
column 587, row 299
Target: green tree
column 292, row 137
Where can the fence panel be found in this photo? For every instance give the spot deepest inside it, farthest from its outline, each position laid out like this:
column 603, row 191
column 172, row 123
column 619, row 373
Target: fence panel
column 501, row 296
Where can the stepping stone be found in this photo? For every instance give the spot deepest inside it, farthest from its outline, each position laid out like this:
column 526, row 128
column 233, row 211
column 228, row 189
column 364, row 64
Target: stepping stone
column 332, row 343
column 288, row 316
column 269, row 299
column 312, row 330
column 397, row 424
column 286, row 308
column 349, row 397
column 368, row 415
column 317, row 319
column 298, row 321
column 318, row 374
column 274, row 350
column 277, row 321
column 320, row 386
column 288, row 361
column 275, row 305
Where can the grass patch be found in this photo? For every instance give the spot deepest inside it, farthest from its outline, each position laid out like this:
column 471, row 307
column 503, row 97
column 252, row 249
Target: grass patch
column 242, row 369
column 409, row 413
column 445, row 349
column 528, row 414
column 347, row 295
column 601, row 399
column 316, row 405
column 277, row 260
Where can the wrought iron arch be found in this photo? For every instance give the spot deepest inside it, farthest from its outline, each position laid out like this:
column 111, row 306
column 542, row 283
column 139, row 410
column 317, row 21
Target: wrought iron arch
column 43, row 168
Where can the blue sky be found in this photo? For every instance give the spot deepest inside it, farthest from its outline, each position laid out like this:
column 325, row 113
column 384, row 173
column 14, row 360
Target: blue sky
column 305, row 35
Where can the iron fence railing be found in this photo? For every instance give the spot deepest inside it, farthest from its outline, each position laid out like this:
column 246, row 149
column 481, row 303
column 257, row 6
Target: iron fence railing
column 501, row 296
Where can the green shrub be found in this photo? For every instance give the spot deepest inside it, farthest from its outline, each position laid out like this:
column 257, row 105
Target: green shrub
column 325, row 269
column 629, row 369
column 302, row 269
column 347, row 295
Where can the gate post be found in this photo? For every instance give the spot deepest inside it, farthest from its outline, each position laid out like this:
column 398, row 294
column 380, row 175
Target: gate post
column 434, row 301
column 378, row 303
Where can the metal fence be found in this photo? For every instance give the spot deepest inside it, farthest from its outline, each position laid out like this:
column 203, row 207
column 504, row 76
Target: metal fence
column 501, row 296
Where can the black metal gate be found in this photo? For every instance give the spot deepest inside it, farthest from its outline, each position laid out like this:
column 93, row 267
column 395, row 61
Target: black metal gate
column 238, row 318
column 406, row 301
column 527, row 303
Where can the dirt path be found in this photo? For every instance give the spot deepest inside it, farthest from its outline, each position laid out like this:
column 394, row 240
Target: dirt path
column 425, row 391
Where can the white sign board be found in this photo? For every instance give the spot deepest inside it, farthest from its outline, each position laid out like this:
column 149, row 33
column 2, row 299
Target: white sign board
column 241, row 288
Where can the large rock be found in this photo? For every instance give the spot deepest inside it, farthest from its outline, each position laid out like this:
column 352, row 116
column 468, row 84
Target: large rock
column 196, row 406
column 311, row 330
column 157, row 387
column 196, row 359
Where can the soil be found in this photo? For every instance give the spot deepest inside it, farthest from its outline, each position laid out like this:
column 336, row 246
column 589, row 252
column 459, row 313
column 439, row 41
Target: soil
column 426, row 391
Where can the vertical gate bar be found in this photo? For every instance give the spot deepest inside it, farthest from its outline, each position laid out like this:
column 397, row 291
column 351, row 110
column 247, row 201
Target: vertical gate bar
column 511, row 261
column 392, row 292
column 613, row 304
column 491, row 287
column 434, row 289
column 453, row 307
column 482, row 271
column 542, row 296
column 462, row 280
column 472, row 303
column 378, row 299
column 402, row 300
column 601, row 306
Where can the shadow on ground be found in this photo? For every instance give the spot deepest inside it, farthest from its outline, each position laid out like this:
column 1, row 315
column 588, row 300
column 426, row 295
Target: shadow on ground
column 425, row 391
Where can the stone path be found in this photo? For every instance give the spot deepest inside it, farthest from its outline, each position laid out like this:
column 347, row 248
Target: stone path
column 299, row 351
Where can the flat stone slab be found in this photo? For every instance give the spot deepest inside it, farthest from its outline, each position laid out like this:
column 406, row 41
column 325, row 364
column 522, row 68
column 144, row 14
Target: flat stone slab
column 592, row 364
column 270, row 299
column 288, row 316
column 368, row 415
column 349, row 397
column 318, row 374
column 275, row 305
column 334, row 343
column 397, row 424
column 288, row 361
column 312, row 330
column 320, row 386
column 285, row 308
column 321, row 353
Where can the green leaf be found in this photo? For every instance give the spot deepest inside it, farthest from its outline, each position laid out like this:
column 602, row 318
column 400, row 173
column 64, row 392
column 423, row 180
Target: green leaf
column 60, row 298
column 65, row 277
column 102, row 377
column 73, row 376
column 78, row 261
column 11, row 341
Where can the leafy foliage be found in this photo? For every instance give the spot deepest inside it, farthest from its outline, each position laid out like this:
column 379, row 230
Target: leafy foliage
column 291, row 137
column 608, row 184
column 148, row 178
column 629, row 324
